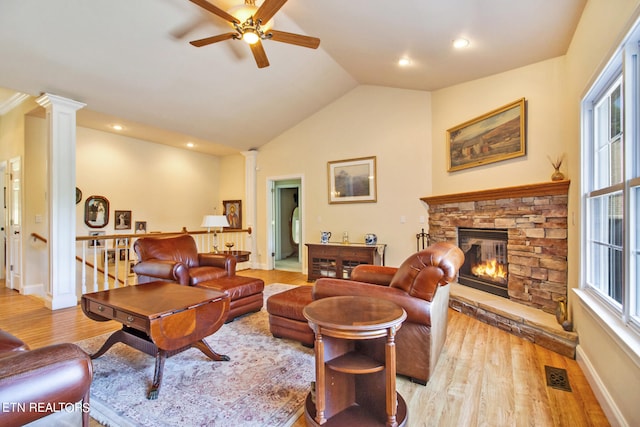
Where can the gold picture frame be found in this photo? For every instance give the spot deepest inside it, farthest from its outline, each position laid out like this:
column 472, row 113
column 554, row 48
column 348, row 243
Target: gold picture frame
column 352, row 180
column 493, row 137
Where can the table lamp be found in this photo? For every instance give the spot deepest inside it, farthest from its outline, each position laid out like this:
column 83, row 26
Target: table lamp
column 217, row 222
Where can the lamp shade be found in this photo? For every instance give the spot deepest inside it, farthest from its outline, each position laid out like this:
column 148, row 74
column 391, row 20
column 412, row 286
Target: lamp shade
column 214, row 221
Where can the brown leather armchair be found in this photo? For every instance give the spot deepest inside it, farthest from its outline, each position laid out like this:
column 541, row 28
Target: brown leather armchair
column 176, row 259
column 420, row 286
column 37, row 383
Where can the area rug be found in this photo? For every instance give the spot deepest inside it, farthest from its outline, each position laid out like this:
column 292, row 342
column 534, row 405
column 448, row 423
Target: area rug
column 264, row 384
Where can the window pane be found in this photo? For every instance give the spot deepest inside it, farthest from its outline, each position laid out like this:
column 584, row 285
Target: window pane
column 605, row 245
column 635, row 253
column 615, row 220
column 608, row 136
column 616, row 162
column 616, row 116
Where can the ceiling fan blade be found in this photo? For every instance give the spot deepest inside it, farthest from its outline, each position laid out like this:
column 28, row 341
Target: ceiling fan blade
column 259, row 54
column 214, row 39
column 269, row 8
column 297, row 39
column 215, row 10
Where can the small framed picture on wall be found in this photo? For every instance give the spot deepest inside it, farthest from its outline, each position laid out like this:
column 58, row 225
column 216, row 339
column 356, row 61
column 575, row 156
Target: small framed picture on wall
column 232, row 209
column 141, row 227
column 123, row 220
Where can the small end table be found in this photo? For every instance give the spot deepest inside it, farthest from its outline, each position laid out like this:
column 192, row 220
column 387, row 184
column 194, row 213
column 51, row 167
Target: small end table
column 355, row 355
column 240, row 256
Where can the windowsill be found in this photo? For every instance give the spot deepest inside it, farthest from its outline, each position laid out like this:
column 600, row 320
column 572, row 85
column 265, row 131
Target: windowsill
column 628, row 340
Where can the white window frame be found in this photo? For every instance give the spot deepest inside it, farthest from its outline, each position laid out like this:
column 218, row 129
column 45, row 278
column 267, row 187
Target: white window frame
column 616, row 318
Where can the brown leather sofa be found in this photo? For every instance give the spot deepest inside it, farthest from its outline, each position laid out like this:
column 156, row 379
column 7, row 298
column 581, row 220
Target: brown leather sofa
column 36, row 383
column 176, row 259
column 419, row 285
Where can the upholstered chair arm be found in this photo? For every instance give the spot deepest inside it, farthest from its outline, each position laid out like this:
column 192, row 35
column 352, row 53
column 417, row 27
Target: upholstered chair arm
column 150, row 270
column 376, row 274
column 418, row 311
column 227, row 262
column 422, row 273
column 58, row 375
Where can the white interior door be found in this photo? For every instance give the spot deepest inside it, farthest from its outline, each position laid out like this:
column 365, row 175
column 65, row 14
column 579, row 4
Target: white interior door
column 3, row 221
column 14, row 208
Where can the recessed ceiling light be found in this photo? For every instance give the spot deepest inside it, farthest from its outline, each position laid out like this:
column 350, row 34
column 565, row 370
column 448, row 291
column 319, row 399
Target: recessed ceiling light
column 190, row 144
column 116, row 127
column 460, row 43
column 404, row 61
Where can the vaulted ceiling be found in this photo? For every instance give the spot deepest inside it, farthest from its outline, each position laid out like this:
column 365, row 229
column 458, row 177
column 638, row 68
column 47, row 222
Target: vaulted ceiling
column 131, row 61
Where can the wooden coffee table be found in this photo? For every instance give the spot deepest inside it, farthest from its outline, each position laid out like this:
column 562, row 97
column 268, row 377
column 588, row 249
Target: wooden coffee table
column 160, row 319
column 355, row 363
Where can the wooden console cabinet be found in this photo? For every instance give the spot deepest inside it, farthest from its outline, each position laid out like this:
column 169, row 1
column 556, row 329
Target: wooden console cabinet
column 337, row 260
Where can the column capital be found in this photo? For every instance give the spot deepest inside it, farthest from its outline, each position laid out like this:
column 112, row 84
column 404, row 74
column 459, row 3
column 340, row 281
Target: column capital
column 48, row 100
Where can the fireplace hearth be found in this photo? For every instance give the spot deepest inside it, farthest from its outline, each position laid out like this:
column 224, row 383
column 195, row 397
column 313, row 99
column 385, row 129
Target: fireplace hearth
column 485, row 266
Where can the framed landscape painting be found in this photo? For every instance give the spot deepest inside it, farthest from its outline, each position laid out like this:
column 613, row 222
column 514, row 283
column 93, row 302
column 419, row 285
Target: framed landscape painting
column 352, row 180
column 493, row 137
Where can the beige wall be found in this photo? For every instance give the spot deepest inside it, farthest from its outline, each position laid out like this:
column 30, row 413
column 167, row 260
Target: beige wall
column 541, row 84
column 232, row 183
column 391, row 124
column 36, row 259
column 613, row 369
column 12, row 130
column 170, row 188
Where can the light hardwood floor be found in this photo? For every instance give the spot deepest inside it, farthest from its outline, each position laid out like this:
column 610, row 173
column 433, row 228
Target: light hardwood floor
column 485, row 377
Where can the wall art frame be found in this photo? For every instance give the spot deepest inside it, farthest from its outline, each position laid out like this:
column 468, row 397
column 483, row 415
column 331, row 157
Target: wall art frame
column 122, row 220
column 96, row 211
column 493, row 137
column 141, row 227
column 232, row 209
column 97, row 243
column 352, row 180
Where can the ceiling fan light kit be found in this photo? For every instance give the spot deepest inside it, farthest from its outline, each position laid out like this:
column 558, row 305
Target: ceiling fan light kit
column 247, row 20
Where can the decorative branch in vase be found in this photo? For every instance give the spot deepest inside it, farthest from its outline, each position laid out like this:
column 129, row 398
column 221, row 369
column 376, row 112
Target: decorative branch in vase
column 557, row 175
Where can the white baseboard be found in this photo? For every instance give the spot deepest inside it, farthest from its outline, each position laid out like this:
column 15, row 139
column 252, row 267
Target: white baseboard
column 615, row 417
column 36, row 289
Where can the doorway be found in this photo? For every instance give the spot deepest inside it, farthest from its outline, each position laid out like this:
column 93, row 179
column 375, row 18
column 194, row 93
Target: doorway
column 14, row 213
column 3, row 220
column 287, row 224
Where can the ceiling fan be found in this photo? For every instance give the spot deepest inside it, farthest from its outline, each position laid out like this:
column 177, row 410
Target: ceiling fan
column 253, row 24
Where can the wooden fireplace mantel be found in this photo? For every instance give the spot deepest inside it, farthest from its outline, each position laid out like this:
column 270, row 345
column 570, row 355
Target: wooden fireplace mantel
column 551, row 188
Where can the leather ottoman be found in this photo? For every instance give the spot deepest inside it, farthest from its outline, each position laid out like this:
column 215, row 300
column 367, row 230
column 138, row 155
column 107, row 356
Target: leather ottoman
column 245, row 293
column 285, row 315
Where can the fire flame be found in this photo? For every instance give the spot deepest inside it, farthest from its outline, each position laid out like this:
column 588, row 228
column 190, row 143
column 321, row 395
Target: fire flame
column 491, row 268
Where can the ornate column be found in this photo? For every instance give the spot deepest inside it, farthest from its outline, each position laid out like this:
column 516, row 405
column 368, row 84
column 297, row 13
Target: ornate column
column 61, row 177
column 250, row 165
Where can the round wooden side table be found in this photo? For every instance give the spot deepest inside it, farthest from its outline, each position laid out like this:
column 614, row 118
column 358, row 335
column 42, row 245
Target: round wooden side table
column 355, row 356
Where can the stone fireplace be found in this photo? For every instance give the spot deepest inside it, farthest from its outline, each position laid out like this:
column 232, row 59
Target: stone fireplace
column 533, row 221
column 535, row 218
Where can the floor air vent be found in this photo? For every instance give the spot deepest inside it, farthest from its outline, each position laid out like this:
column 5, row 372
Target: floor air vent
column 557, row 378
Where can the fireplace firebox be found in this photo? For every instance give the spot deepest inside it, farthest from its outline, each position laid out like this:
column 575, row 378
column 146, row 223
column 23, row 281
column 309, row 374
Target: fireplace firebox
column 485, row 266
